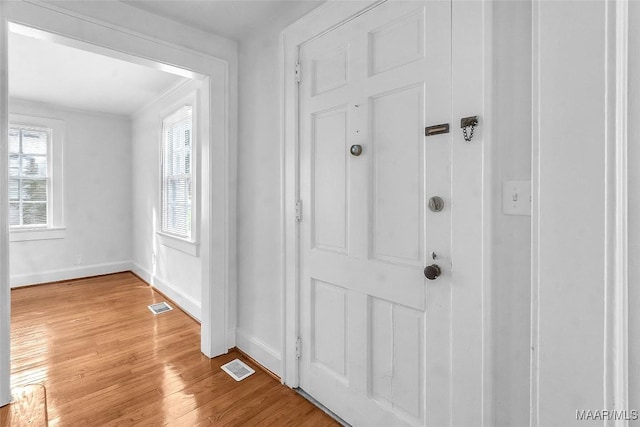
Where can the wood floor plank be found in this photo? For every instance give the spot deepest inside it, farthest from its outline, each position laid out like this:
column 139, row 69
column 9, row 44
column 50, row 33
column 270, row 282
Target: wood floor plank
column 28, row 408
column 106, row 360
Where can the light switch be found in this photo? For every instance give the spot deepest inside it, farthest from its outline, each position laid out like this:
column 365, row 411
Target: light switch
column 516, row 197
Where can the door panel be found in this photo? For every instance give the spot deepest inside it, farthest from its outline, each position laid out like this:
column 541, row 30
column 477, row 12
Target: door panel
column 329, row 328
column 330, row 70
column 397, row 376
column 396, row 152
column 375, row 333
column 397, row 43
column 329, row 190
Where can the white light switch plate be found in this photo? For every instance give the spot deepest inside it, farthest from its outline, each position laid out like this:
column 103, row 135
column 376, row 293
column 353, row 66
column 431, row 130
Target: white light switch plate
column 516, row 197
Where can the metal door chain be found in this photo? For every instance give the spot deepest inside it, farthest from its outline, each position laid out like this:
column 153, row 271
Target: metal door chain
column 468, row 137
column 466, row 123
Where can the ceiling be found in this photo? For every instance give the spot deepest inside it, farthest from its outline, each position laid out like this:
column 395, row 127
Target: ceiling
column 235, row 19
column 51, row 73
column 44, row 71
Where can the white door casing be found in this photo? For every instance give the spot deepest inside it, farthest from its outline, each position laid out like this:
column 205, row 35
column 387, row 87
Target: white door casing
column 219, row 147
column 367, row 310
column 601, row 200
column 467, row 383
column 5, row 291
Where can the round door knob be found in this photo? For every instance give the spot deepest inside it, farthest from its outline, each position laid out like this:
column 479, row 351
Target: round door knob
column 432, row 272
column 436, row 204
column 356, row 150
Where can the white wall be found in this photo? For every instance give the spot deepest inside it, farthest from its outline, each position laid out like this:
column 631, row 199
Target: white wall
column 259, row 233
column 97, row 194
column 570, row 143
column 512, row 234
column 259, row 326
column 173, row 272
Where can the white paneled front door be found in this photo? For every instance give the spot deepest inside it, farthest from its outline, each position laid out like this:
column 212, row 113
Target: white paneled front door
column 375, row 333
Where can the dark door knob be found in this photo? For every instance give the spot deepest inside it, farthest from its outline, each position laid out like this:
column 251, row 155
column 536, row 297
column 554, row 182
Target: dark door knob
column 356, row 150
column 432, row 272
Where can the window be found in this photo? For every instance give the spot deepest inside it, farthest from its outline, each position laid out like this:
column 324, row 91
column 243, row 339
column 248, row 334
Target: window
column 35, row 177
column 29, row 184
column 177, row 174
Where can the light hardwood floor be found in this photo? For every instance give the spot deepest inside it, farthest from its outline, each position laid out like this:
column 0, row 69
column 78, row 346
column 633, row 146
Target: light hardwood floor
column 29, row 407
column 106, row 360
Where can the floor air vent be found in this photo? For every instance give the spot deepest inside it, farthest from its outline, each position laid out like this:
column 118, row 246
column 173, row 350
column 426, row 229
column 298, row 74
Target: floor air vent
column 237, row 369
column 160, row 307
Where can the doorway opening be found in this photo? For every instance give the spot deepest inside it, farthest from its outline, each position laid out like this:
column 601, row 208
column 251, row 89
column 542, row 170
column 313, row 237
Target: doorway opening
column 209, row 77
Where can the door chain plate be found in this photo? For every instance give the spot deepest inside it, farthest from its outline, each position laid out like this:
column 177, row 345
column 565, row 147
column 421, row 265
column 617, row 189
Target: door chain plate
column 436, row 129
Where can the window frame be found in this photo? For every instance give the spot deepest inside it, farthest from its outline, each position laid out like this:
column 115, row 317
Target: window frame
column 188, row 245
column 54, row 228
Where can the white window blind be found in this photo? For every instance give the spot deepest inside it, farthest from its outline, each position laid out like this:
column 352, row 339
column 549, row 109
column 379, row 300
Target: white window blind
column 177, row 173
column 29, row 179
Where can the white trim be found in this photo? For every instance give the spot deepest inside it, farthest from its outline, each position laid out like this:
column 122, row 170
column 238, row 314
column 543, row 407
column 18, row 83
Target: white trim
column 5, row 293
column 259, row 350
column 19, row 280
column 185, row 302
column 619, row 396
column 472, row 200
column 610, row 196
column 122, row 29
column 175, row 98
column 58, row 37
column 488, row 212
column 189, row 247
column 318, row 21
column 218, row 226
column 29, row 234
column 192, row 99
column 283, row 212
column 231, row 338
column 55, row 163
column 534, row 372
column 633, row 126
column 615, row 330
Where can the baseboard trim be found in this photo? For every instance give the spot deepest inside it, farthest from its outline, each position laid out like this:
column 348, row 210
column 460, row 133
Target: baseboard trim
column 186, row 303
column 78, row 272
column 259, row 351
column 255, row 362
column 231, row 339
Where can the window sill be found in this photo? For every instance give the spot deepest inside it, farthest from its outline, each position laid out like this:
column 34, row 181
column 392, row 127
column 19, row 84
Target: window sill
column 28, row 234
column 187, row 246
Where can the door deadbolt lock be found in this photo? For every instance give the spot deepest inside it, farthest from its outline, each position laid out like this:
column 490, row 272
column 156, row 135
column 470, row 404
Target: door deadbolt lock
column 436, row 204
column 432, row 272
column 356, row 150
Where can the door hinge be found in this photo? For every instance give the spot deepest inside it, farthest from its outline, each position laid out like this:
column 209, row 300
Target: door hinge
column 299, row 211
column 298, row 73
column 298, row 348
